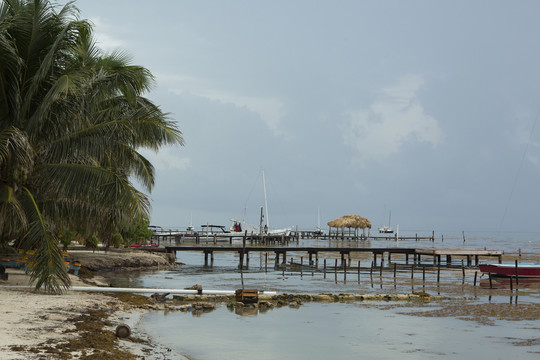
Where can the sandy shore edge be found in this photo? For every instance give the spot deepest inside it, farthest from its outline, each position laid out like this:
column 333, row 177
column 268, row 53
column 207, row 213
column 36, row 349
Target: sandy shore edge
column 33, row 320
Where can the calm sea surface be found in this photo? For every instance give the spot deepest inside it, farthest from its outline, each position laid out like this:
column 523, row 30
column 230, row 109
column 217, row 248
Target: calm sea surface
column 373, row 330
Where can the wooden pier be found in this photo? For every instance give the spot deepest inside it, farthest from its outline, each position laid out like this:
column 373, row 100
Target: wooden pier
column 313, row 253
column 178, row 237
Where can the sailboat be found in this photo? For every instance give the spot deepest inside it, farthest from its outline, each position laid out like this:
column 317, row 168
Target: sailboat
column 318, row 230
column 386, row 229
column 242, row 226
column 190, row 228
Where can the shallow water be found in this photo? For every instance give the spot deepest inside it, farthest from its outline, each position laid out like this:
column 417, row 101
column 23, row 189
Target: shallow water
column 344, row 331
column 321, row 331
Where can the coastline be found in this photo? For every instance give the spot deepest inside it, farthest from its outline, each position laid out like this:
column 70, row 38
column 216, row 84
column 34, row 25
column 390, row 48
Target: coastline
column 40, row 326
column 36, row 325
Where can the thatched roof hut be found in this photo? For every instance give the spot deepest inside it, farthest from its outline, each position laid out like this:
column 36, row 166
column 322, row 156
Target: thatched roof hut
column 350, row 221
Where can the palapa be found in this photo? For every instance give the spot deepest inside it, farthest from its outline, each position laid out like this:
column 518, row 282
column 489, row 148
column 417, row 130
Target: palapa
column 350, row 221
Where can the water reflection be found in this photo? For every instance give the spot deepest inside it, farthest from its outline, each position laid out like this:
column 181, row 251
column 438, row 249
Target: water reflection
column 511, row 283
column 322, row 331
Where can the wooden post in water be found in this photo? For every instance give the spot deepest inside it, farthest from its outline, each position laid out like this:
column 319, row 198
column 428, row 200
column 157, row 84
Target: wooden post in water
column 517, row 277
column 243, row 250
column 511, row 285
column 475, row 274
column 438, row 274
column 335, row 270
column 463, row 272
column 345, row 273
column 463, row 233
column 324, row 268
column 241, row 260
column 265, row 262
column 490, row 281
column 358, row 271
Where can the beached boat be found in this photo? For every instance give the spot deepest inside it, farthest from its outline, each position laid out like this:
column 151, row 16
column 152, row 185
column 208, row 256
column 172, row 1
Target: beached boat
column 522, row 270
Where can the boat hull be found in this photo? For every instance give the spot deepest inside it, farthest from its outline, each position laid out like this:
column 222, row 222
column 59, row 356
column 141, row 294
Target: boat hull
column 385, row 230
column 523, row 270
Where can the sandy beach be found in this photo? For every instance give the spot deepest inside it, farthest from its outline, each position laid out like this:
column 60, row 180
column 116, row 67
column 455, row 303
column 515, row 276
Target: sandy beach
column 38, row 326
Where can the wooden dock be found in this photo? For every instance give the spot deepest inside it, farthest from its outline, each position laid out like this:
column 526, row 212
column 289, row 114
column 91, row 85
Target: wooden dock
column 179, row 237
column 313, row 253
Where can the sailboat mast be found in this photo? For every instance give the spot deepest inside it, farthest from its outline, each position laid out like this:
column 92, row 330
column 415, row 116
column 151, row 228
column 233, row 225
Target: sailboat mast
column 265, row 200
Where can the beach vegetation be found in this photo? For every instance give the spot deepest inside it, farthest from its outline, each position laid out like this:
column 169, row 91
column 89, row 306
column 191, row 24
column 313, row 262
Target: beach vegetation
column 117, row 239
column 137, row 232
column 73, row 120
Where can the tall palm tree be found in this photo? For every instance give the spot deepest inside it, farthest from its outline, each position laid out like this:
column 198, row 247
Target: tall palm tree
column 72, row 120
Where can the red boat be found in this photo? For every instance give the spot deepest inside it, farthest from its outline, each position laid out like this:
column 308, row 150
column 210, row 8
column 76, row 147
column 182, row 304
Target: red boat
column 521, row 270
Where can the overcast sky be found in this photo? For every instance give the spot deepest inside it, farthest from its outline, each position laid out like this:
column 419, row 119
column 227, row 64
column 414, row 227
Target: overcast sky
column 425, row 108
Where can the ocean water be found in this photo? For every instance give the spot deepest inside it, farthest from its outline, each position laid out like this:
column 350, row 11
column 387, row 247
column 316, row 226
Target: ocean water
column 374, row 330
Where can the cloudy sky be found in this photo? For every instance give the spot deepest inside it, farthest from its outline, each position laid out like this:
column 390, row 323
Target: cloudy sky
column 423, row 108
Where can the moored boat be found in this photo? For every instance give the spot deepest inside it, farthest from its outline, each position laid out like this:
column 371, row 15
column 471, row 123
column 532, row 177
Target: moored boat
column 385, row 230
column 521, row 270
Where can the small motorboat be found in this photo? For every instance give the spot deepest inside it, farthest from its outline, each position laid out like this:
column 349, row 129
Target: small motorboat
column 521, row 270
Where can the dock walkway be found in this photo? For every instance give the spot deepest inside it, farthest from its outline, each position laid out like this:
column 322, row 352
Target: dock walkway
column 281, row 253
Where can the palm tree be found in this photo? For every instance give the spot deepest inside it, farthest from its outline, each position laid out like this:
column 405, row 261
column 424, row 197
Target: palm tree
column 72, row 120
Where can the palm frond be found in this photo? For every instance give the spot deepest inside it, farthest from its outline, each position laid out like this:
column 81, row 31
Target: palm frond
column 47, row 269
column 15, row 146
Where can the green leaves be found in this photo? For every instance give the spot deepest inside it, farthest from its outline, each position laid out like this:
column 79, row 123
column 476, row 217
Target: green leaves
column 71, row 123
